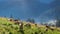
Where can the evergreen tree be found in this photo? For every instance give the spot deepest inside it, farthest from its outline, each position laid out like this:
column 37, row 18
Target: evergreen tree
column 31, row 20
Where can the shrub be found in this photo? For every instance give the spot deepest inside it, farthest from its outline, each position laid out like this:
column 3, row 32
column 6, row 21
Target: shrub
column 28, row 25
column 10, row 32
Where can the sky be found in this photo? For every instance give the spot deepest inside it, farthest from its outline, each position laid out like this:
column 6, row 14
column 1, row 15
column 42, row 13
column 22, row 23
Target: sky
column 40, row 10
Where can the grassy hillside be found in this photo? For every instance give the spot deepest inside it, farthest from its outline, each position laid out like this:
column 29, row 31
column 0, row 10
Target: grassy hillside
column 8, row 27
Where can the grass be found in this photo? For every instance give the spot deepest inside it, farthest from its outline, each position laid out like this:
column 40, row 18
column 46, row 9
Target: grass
column 7, row 27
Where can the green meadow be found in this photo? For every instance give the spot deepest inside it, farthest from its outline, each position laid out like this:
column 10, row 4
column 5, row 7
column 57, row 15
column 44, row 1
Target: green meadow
column 8, row 27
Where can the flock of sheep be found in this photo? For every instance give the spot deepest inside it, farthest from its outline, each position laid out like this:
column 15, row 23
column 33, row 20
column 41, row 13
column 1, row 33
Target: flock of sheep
column 21, row 24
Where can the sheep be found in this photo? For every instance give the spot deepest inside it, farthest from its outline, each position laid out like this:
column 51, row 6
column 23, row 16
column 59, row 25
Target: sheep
column 49, row 28
column 10, row 19
column 36, row 25
column 17, row 22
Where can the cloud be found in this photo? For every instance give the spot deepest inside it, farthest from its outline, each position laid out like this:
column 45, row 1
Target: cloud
column 52, row 22
column 25, row 9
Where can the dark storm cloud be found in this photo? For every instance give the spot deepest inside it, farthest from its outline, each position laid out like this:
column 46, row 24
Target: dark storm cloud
column 26, row 8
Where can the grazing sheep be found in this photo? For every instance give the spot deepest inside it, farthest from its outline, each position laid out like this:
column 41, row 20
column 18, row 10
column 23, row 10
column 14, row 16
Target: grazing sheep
column 21, row 25
column 52, row 29
column 49, row 28
column 10, row 19
column 17, row 22
column 36, row 25
column 46, row 29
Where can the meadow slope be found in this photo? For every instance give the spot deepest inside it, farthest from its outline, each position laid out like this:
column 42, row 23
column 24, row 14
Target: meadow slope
column 8, row 27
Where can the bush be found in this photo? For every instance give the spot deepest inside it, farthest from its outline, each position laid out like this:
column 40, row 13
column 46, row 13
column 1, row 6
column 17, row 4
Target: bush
column 10, row 32
column 28, row 25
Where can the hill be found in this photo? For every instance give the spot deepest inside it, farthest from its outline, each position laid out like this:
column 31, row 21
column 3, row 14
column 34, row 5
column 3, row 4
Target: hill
column 9, row 27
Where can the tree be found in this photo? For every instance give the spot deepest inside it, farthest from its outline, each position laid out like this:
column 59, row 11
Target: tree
column 31, row 20
column 11, row 16
column 18, row 18
column 57, row 12
column 58, row 22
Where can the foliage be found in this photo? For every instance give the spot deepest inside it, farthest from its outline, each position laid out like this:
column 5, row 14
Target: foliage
column 31, row 20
